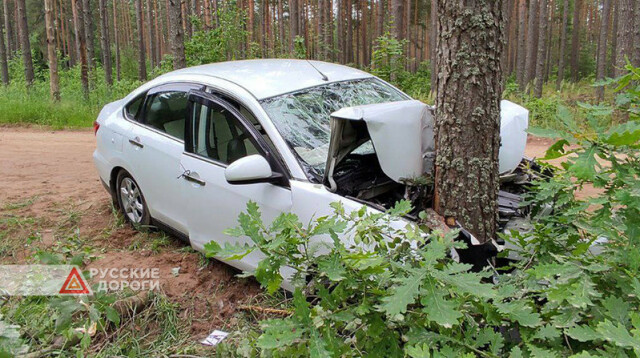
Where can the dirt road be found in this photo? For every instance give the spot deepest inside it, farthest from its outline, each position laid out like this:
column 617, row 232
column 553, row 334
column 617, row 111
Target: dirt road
column 49, row 178
column 49, row 190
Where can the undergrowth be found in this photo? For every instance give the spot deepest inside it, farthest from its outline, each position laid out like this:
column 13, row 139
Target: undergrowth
column 364, row 287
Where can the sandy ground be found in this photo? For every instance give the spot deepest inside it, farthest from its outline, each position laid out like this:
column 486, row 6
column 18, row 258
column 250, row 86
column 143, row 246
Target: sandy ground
column 52, row 175
column 54, row 172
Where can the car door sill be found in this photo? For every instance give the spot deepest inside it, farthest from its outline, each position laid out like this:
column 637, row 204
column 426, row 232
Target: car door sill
column 170, row 230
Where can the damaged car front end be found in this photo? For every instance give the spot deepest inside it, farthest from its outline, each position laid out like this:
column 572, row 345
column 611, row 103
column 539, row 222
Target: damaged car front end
column 379, row 148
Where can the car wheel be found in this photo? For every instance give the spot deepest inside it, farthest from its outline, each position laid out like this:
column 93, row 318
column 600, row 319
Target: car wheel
column 131, row 201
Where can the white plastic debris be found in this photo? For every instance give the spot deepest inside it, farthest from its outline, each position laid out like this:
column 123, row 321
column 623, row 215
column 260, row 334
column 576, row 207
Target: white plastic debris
column 214, row 338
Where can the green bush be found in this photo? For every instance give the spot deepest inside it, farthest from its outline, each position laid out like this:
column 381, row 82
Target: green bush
column 390, row 292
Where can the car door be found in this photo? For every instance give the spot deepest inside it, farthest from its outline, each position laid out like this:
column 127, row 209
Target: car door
column 217, row 135
column 154, row 148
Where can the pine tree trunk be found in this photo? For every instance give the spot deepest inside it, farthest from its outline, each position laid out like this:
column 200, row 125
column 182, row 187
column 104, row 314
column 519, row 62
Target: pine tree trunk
column 625, row 34
column 636, row 41
column 340, row 30
column 54, row 81
column 398, row 18
column 176, row 35
column 142, row 64
column 105, row 44
column 81, row 49
column 152, row 45
column 24, row 42
column 116, row 35
column 380, row 16
column 433, row 35
column 364, row 34
column 349, row 41
column 522, row 54
column 4, row 66
column 575, row 40
column 563, row 43
column 88, row 32
column 611, row 63
column 542, row 47
column 158, row 30
column 467, row 120
column 281, row 34
column 8, row 25
column 602, row 48
column 250, row 37
column 293, row 23
column 532, row 42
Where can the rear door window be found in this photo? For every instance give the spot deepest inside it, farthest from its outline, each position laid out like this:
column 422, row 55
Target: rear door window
column 167, row 112
column 132, row 109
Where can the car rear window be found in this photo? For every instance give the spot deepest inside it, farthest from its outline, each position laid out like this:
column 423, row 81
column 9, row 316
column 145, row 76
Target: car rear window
column 132, row 109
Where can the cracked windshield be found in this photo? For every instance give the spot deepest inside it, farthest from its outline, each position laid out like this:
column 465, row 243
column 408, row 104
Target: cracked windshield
column 302, row 118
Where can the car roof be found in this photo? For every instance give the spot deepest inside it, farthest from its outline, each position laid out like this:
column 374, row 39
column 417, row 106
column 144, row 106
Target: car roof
column 265, row 78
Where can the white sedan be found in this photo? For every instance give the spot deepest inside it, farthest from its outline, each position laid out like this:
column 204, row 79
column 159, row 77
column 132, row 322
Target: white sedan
column 186, row 151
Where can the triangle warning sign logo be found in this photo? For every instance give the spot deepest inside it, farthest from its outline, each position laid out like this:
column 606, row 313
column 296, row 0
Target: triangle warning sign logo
column 74, row 284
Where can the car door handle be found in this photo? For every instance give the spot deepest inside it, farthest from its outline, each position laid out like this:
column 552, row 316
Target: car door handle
column 188, row 177
column 136, row 141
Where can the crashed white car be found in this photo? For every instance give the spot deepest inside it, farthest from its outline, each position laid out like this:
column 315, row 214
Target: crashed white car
column 187, row 150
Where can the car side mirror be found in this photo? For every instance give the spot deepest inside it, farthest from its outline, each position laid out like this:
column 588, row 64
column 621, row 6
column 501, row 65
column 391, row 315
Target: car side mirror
column 250, row 170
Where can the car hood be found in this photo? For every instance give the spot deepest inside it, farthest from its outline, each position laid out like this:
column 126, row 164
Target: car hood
column 402, row 134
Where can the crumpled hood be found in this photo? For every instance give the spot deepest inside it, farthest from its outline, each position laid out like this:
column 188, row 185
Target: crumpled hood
column 403, row 138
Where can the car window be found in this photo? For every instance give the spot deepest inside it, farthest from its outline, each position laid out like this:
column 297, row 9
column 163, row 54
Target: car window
column 132, row 108
column 167, row 112
column 303, row 117
column 218, row 134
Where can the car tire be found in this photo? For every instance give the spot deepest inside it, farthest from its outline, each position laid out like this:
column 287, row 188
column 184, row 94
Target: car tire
column 131, row 201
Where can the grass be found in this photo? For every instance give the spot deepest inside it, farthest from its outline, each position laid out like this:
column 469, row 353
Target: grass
column 20, row 104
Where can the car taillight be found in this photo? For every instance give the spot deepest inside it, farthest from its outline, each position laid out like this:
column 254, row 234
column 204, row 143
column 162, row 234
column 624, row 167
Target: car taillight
column 96, row 126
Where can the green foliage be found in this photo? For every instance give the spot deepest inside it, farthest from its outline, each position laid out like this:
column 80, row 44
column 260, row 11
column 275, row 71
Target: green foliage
column 223, row 43
column 387, row 59
column 364, row 287
column 299, row 48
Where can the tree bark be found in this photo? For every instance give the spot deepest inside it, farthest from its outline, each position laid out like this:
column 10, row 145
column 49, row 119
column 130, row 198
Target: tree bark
column 54, row 81
column 625, row 34
column 105, row 43
column 116, row 35
column 349, row 41
column 602, row 47
column 24, row 42
column 281, row 40
column 433, row 35
column 563, row 43
column 398, row 18
column 176, row 35
column 365, row 33
column 542, row 47
column 142, row 64
column 88, row 32
column 8, row 25
column 150, row 33
column 611, row 63
column 532, row 41
column 81, row 49
column 522, row 55
column 636, row 51
column 575, row 40
column 4, row 66
column 294, row 29
column 467, row 127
